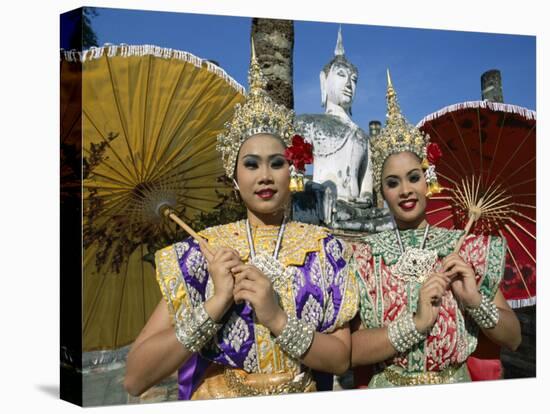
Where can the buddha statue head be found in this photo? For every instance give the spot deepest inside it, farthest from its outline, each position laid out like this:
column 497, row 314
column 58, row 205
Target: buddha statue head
column 338, row 80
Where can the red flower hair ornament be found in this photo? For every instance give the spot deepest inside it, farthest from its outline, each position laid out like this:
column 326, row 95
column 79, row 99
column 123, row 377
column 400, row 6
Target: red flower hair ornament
column 298, row 155
column 434, row 153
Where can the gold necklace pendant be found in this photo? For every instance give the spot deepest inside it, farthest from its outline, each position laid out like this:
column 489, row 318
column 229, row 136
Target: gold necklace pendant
column 416, row 264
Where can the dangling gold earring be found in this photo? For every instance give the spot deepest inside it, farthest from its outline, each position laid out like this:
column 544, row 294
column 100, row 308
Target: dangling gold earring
column 296, row 180
column 431, row 178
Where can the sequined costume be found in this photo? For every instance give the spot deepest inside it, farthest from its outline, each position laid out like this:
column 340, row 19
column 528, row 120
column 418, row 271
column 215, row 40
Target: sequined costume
column 384, row 295
column 316, row 288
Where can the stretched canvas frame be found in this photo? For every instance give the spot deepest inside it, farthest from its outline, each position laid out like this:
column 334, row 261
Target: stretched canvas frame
column 77, row 368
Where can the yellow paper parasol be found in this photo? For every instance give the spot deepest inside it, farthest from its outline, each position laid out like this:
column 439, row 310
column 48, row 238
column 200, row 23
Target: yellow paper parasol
column 150, row 117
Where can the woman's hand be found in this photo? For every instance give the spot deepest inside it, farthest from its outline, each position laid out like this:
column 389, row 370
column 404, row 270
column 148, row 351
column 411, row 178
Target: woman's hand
column 463, row 282
column 253, row 286
column 429, row 301
column 220, row 263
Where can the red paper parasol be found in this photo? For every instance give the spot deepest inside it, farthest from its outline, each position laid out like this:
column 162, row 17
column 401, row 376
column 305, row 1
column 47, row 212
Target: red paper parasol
column 489, row 151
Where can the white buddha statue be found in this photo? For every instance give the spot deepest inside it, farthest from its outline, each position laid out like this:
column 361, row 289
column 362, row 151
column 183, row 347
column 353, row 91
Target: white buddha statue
column 340, row 194
column 340, row 147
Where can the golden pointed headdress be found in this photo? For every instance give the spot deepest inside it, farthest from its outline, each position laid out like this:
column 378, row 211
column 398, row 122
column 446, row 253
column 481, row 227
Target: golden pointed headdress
column 396, row 136
column 258, row 115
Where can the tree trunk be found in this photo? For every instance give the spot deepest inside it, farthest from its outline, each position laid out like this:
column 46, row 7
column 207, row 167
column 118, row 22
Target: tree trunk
column 274, row 44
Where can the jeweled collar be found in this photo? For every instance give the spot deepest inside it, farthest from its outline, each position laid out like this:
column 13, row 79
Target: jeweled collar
column 385, row 243
column 299, row 239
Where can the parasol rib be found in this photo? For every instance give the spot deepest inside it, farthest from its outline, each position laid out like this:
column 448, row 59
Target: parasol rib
column 532, row 220
column 507, row 227
column 106, row 187
column 145, row 113
column 480, row 143
column 523, row 228
column 463, row 142
column 501, row 129
column 449, row 151
column 496, row 203
column 523, row 183
column 121, row 117
column 123, row 185
column 437, row 210
column 121, row 301
column 106, row 141
column 449, row 217
column 157, row 139
column 477, row 188
column 176, row 133
column 179, row 168
column 517, row 150
column 455, row 183
column 69, row 131
column 94, row 301
column 179, row 181
column 209, row 147
column 525, row 205
column 460, row 195
column 520, row 168
column 525, row 194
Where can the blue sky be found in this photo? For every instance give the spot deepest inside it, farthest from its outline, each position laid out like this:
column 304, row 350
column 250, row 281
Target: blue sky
column 430, row 68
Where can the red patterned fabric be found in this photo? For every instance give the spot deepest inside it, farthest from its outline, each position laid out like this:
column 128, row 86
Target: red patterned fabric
column 384, row 296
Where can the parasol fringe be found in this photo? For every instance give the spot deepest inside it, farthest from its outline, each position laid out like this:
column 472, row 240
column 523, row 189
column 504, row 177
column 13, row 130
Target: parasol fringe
column 521, row 303
column 495, row 106
column 144, row 50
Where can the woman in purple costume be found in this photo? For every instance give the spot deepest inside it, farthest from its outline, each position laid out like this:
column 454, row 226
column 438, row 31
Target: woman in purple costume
column 265, row 305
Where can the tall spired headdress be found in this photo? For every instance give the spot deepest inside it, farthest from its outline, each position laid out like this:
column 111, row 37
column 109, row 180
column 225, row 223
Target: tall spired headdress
column 398, row 136
column 259, row 115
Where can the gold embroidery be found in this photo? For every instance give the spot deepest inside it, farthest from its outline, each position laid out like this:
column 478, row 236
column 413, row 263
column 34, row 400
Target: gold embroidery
column 299, row 239
column 270, row 356
column 171, row 282
column 350, row 298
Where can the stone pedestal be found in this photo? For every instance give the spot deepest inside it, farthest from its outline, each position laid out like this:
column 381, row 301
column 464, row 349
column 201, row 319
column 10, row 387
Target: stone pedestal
column 316, row 206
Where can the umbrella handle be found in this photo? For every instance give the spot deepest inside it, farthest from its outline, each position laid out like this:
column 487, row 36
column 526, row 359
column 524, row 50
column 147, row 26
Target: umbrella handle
column 169, row 213
column 466, row 231
column 475, row 213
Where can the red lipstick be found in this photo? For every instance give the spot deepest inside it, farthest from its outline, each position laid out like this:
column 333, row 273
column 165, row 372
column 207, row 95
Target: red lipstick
column 266, row 193
column 408, row 205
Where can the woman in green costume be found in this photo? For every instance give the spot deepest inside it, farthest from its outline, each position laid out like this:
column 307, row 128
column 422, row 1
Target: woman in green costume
column 421, row 304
